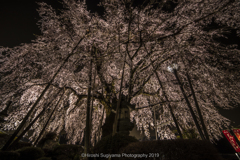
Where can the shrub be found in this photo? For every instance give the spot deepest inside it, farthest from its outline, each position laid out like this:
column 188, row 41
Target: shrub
column 30, row 153
column 4, row 138
column 48, row 143
column 174, row 149
column 67, row 150
column 61, row 157
column 48, row 136
column 45, row 158
column 51, row 135
column 9, row 155
column 113, row 144
column 20, row 145
column 77, row 157
column 49, row 146
column 2, row 133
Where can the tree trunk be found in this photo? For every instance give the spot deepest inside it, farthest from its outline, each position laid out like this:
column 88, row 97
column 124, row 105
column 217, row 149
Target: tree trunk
column 45, row 126
column 38, row 100
column 198, row 108
column 87, row 133
column 189, row 105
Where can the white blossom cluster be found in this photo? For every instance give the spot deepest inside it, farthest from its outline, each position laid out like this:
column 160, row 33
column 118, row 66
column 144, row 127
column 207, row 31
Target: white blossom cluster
column 139, row 43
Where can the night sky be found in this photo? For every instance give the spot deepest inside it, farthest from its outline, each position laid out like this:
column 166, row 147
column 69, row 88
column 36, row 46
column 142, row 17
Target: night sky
column 18, row 25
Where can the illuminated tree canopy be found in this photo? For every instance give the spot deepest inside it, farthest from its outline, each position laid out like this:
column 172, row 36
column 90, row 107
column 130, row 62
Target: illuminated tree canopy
column 153, row 37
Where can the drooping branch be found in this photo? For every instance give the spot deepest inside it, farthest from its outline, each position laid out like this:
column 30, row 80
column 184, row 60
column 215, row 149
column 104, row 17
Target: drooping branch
column 49, row 118
column 28, row 127
column 198, row 108
column 5, row 147
column 189, row 105
column 165, row 95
